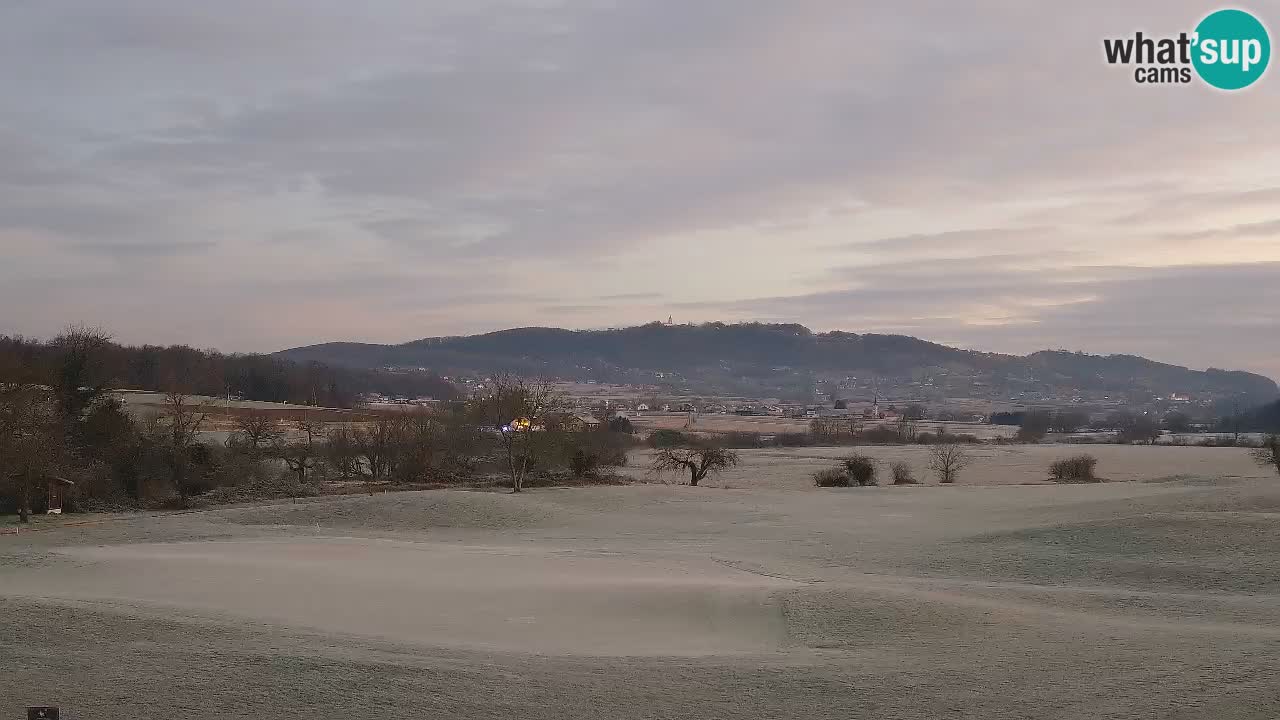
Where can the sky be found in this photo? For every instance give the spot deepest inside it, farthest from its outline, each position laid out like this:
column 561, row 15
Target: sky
column 253, row 175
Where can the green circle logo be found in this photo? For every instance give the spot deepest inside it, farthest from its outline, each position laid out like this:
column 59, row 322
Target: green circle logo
column 1232, row 49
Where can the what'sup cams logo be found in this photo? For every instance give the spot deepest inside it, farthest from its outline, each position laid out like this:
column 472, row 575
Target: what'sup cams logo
column 1229, row 50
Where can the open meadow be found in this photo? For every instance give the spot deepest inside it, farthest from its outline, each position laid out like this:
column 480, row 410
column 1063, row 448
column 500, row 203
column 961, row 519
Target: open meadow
column 773, row 424
column 779, row 468
column 759, row 596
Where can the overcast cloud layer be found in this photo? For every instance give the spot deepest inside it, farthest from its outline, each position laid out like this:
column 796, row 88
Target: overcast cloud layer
column 256, row 174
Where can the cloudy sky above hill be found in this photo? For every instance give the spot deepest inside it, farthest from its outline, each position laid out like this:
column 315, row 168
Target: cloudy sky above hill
column 257, row 174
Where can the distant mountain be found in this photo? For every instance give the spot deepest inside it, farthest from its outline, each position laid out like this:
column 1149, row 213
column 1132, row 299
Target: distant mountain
column 792, row 362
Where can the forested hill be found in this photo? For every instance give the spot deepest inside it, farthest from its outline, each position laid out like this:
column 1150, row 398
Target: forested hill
column 207, row 372
column 785, row 360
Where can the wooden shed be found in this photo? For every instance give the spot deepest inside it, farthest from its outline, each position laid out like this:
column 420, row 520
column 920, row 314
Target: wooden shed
column 57, row 489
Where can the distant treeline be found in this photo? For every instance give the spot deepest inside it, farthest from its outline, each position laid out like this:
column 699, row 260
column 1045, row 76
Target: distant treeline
column 1228, row 418
column 208, row 372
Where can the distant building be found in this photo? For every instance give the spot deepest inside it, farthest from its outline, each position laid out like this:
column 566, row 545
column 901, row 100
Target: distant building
column 583, row 423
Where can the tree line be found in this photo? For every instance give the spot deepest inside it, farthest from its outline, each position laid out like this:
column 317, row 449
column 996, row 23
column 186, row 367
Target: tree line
column 59, row 422
column 209, row 372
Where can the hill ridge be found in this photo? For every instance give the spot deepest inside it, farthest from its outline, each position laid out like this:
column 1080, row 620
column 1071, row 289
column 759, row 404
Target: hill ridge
column 792, row 361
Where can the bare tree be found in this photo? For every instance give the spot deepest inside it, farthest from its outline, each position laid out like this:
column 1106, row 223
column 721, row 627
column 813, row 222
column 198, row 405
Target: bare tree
column 907, row 428
column 31, row 441
column 342, row 453
column 1269, row 454
column 419, row 445
column 181, row 426
column 947, row 460
column 824, row 430
column 854, row 423
column 79, row 376
column 514, row 408
column 698, row 462
column 300, row 455
column 258, row 430
column 378, row 443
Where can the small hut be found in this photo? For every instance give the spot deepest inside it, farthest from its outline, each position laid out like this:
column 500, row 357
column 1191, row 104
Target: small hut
column 57, row 489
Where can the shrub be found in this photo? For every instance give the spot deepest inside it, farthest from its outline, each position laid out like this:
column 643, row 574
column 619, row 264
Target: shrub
column 586, row 453
column 661, row 439
column 1035, row 425
column 942, row 436
column 794, row 439
column 880, row 435
column 621, row 425
column 613, row 458
column 283, row 485
column 1268, row 452
column 583, row 463
column 903, row 475
column 831, row 477
column 170, row 502
column 743, row 440
column 240, row 469
column 586, row 461
column 861, row 470
column 558, row 479
column 1078, row 468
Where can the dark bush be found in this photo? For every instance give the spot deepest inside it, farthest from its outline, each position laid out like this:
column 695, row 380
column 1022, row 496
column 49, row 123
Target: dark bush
column 586, row 453
column 927, row 438
column 744, row 440
column 1139, row 429
column 880, row 435
column 662, row 439
column 583, row 463
column 1035, row 425
column 169, row 502
column 794, row 439
column 241, row 469
column 1078, row 468
column 861, row 470
column 832, row 477
column 281, row 485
